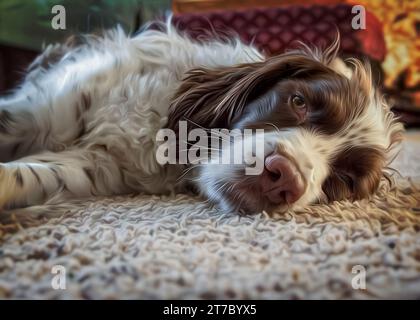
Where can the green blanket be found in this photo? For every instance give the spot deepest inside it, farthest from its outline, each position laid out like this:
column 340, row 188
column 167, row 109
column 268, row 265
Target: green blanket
column 27, row 23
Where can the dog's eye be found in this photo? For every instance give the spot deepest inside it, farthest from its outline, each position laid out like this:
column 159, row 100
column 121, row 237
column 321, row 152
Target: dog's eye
column 299, row 106
column 298, row 101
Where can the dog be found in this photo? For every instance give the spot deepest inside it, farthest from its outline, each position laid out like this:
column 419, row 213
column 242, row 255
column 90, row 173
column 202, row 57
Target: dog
column 85, row 119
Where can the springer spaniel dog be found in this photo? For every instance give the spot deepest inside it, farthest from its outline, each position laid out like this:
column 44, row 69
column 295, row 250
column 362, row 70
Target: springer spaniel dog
column 86, row 118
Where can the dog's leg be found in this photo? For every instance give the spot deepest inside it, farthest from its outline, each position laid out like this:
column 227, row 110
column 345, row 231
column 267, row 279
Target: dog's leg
column 69, row 174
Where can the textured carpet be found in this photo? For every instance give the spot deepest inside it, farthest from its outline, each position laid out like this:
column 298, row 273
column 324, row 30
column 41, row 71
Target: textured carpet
column 157, row 247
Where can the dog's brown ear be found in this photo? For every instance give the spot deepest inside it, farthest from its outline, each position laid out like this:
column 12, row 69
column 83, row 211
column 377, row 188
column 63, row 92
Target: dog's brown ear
column 206, row 97
column 213, row 98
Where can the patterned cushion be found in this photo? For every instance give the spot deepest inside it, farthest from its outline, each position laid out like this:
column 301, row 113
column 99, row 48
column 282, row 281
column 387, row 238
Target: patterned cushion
column 275, row 29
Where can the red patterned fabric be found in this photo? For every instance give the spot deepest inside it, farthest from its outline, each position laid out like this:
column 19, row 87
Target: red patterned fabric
column 275, row 29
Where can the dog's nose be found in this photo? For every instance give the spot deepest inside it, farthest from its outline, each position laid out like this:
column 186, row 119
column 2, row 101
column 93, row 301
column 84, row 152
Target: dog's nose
column 281, row 181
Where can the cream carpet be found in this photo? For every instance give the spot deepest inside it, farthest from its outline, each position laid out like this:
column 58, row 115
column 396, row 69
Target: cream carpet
column 155, row 247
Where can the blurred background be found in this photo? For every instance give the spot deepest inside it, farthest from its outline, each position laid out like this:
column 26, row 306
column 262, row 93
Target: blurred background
column 391, row 40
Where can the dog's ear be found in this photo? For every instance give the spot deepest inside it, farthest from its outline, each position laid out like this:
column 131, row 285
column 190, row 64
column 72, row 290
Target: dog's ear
column 209, row 97
column 214, row 98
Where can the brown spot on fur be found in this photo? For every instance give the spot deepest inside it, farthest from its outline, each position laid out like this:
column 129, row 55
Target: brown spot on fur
column 5, row 120
column 363, row 131
column 15, row 149
column 60, row 181
column 78, row 113
column 82, row 128
column 86, row 102
column 36, row 175
column 53, row 54
column 18, row 177
column 89, row 173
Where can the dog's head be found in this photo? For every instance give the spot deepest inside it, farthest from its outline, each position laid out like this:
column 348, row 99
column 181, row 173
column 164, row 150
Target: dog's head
column 328, row 133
